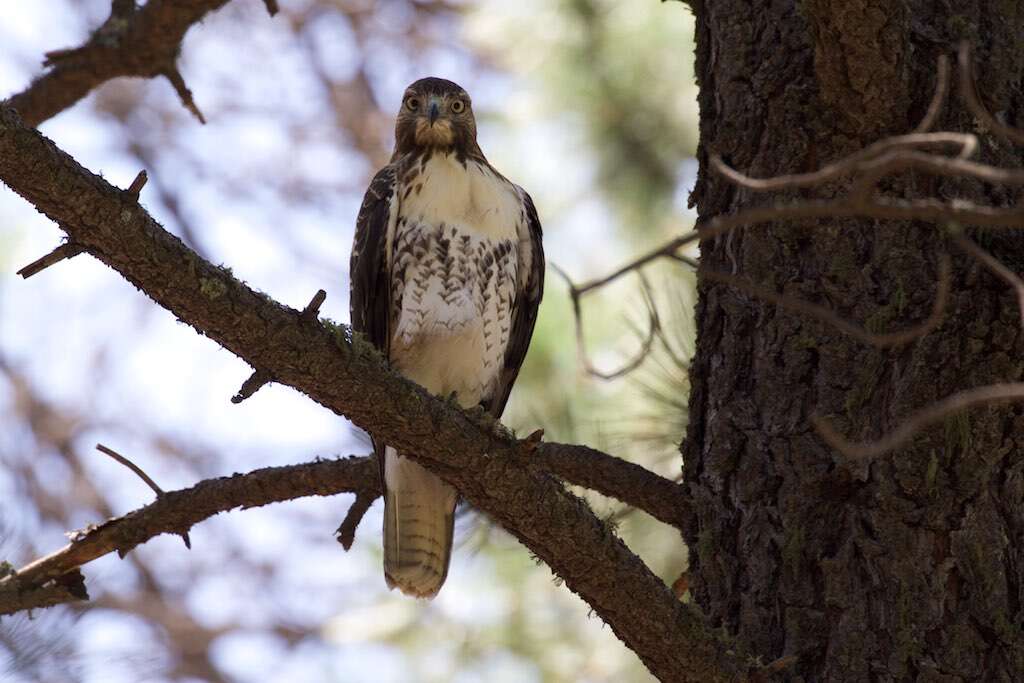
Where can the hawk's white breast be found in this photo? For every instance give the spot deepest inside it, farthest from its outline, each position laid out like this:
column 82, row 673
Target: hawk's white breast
column 454, row 257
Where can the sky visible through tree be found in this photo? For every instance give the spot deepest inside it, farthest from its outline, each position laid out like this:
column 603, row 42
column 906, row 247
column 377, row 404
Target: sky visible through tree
column 589, row 107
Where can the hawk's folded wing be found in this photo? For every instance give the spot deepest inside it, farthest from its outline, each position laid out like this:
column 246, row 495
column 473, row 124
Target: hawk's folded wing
column 529, row 288
column 369, row 294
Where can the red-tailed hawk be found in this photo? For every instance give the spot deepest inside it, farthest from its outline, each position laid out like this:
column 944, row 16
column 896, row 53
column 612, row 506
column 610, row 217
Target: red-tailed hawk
column 446, row 275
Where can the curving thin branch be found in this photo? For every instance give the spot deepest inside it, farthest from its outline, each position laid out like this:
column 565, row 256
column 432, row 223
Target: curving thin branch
column 857, row 162
column 932, row 414
column 653, row 328
column 938, row 102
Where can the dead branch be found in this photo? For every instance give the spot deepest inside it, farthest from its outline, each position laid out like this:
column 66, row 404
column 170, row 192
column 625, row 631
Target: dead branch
column 143, row 476
column 867, row 166
column 256, row 381
column 966, row 143
column 133, row 467
column 175, row 512
column 136, row 187
column 65, row 251
column 627, row 482
column 938, row 102
column 932, row 414
column 579, row 465
column 312, row 310
column 134, row 41
column 174, row 77
column 653, row 329
column 346, row 533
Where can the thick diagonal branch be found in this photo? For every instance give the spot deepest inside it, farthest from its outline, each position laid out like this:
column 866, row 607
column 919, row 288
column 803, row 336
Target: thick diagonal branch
column 133, row 42
column 348, row 376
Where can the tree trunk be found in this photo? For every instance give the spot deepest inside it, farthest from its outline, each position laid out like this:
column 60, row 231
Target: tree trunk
column 911, row 566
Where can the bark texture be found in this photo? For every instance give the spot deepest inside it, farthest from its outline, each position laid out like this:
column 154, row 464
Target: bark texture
column 909, row 567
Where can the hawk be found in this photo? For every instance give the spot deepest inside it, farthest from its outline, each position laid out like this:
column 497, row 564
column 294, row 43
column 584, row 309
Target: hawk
column 447, row 273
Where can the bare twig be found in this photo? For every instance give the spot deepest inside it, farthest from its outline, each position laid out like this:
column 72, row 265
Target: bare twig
column 136, row 187
column 133, row 467
column 144, row 477
column 667, row 249
column 312, row 309
column 178, row 83
column 177, row 511
column 879, row 340
column 966, row 143
column 654, row 326
column 257, row 380
column 346, row 533
column 996, row 266
column 936, row 412
column 65, row 251
column 969, row 93
column 938, row 101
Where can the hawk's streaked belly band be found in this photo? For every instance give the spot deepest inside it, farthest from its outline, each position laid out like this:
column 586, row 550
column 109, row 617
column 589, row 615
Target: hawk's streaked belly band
column 454, row 292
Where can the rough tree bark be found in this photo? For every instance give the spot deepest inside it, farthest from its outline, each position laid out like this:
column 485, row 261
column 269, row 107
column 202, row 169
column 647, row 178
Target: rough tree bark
column 908, row 567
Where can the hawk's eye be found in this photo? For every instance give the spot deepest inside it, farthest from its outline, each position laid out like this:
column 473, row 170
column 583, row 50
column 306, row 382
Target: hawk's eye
column 412, row 103
column 458, row 106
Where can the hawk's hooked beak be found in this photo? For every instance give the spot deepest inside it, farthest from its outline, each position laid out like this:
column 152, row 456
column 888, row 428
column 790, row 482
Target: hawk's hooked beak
column 434, row 110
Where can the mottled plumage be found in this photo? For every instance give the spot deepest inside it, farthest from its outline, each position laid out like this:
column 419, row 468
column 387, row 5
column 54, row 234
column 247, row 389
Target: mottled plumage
column 447, row 274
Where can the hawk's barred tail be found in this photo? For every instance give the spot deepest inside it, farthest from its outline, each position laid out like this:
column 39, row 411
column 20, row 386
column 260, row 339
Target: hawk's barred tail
column 419, row 519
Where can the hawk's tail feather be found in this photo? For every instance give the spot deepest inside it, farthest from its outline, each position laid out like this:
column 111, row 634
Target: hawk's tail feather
column 419, row 523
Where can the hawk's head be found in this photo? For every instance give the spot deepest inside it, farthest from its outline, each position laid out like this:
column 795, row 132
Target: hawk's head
column 435, row 114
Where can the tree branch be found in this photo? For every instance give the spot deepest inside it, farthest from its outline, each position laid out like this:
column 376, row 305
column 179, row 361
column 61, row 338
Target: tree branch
column 628, row 482
column 348, row 376
column 175, row 512
column 133, row 41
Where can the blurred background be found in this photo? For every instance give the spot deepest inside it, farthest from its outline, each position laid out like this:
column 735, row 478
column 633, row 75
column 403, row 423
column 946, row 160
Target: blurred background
column 588, row 104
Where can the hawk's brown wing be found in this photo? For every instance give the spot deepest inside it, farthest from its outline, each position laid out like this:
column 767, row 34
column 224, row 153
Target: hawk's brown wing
column 369, row 286
column 529, row 289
